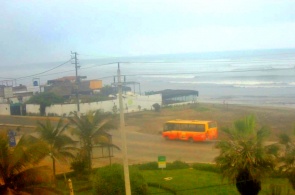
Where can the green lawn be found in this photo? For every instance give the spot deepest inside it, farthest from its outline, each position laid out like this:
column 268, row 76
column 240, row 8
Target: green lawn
column 190, row 181
column 187, row 182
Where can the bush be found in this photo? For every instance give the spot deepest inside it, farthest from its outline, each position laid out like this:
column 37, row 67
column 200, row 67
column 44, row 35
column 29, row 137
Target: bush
column 177, row 165
column 157, row 107
column 109, row 180
column 170, row 166
column 206, row 167
column 148, row 166
column 79, row 166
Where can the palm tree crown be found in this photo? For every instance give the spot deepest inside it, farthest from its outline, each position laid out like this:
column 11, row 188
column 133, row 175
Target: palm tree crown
column 60, row 145
column 288, row 157
column 243, row 157
column 18, row 170
column 91, row 128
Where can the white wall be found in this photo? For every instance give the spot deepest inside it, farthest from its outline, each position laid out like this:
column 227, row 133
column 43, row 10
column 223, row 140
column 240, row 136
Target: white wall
column 4, row 109
column 33, row 109
column 131, row 103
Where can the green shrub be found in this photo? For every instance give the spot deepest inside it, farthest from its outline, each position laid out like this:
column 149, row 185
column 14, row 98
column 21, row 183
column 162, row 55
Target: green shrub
column 157, row 107
column 154, row 165
column 148, row 166
column 177, row 165
column 79, row 166
column 206, row 167
column 109, row 180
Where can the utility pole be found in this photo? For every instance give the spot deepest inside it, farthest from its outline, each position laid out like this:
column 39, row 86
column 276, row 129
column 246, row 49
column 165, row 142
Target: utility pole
column 74, row 57
column 123, row 136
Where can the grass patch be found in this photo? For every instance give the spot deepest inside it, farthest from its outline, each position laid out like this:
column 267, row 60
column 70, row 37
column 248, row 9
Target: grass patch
column 180, row 179
column 205, row 167
column 191, row 181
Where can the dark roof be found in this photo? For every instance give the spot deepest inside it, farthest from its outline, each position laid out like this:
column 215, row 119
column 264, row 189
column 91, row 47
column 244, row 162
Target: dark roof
column 19, row 88
column 171, row 93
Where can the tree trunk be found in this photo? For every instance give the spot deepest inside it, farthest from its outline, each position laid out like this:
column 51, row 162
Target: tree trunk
column 247, row 185
column 53, row 166
column 89, row 158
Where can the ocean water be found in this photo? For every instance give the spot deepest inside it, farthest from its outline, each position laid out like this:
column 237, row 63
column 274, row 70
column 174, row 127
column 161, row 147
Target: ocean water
column 259, row 77
column 262, row 77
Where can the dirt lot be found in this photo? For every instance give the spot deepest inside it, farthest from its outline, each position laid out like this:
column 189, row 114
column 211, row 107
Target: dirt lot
column 277, row 119
column 150, row 122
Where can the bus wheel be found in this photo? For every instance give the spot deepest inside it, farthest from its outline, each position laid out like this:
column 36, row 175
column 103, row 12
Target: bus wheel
column 191, row 140
column 167, row 138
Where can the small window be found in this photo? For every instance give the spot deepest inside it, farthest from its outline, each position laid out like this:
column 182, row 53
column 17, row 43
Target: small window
column 199, row 128
column 169, row 127
column 184, row 127
column 212, row 125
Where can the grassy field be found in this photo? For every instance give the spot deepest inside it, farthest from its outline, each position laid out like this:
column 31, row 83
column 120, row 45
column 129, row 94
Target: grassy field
column 188, row 182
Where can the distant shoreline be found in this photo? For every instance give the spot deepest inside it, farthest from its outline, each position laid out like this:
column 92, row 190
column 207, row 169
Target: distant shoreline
column 245, row 103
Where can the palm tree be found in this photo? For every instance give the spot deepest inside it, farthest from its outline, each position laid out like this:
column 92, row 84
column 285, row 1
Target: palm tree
column 60, row 145
column 91, row 128
column 244, row 158
column 19, row 173
column 288, row 158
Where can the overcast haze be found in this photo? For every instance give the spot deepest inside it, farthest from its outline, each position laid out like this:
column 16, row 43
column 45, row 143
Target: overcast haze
column 46, row 31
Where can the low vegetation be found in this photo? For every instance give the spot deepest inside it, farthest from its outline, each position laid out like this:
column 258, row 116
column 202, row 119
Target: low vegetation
column 244, row 159
column 19, row 170
column 109, row 180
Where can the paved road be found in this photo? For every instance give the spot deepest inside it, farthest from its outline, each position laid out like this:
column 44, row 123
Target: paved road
column 146, row 147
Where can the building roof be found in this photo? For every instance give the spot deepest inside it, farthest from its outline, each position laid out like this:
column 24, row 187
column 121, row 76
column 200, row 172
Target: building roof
column 63, row 79
column 171, row 93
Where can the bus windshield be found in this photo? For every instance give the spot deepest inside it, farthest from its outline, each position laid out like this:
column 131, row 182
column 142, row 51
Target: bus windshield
column 184, row 127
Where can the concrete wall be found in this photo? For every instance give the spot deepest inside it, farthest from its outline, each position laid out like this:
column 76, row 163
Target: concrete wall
column 33, row 109
column 131, row 103
column 4, row 109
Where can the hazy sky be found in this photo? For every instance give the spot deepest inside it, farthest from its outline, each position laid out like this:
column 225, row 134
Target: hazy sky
column 33, row 31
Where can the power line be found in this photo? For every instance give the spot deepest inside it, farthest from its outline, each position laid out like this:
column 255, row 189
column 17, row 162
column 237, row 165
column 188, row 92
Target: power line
column 41, row 74
column 150, row 74
column 49, row 74
column 99, row 65
column 43, row 71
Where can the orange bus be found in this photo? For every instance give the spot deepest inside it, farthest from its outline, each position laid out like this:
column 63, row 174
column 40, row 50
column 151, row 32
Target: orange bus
column 190, row 130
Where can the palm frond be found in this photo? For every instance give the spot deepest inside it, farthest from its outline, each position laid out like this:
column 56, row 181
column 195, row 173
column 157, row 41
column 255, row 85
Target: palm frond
column 33, row 176
column 29, row 154
column 284, row 139
column 244, row 149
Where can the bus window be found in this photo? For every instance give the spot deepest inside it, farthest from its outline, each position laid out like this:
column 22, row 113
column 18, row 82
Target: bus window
column 169, row 127
column 184, row 127
column 191, row 127
column 199, row 128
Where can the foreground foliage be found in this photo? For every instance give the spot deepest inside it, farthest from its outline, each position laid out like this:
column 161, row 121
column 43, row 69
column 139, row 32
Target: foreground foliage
column 109, row 180
column 60, row 145
column 169, row 166
column 244, row 159
column 198, row 182
column 91, row 129
column 288, row 158
column 19, row 172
